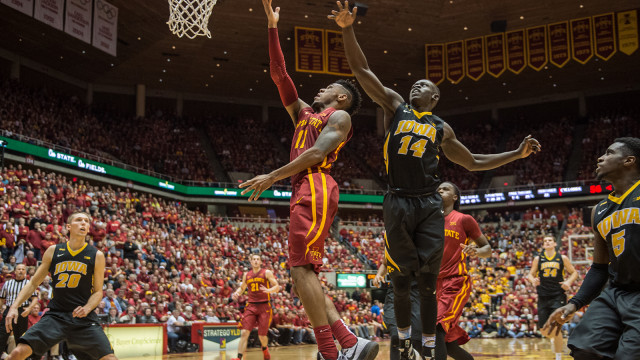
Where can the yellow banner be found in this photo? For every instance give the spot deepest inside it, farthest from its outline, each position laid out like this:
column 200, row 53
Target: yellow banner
column 628, row 31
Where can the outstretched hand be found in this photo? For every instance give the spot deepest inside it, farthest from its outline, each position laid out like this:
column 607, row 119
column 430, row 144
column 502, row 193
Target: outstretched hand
column 553, row 326
column 343, row 17
column 529, row 145
column 258, row 184
column 272, row 16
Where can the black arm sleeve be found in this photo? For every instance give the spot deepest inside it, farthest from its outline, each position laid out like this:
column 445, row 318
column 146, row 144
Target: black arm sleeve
column 592, row 285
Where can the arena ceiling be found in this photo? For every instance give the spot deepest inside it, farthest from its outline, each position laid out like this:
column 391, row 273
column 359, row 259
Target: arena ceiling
column 233, row 62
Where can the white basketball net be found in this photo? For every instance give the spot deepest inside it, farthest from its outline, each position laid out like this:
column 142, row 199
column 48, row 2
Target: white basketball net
column 190, row 17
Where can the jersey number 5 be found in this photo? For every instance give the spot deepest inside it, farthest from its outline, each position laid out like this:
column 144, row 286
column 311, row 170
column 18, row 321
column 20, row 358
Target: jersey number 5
column 418, row 147
column 66, row 281
column 617, row 243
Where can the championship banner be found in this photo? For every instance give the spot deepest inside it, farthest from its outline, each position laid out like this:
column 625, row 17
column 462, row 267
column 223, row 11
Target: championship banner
column 581, row 44
column 434, row 53
column 628, row 31
column 105, row 27
column 335, row 60
column 559, row 43
column 537, row 47
column 78, row 19
column 474, row 51
column 455, row 61
column 604, row 36
column 50, row 12
column 494, row 49
column 24, row 6
column 516, row 53
column 309, row 50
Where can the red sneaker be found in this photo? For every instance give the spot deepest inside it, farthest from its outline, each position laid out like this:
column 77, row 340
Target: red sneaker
column 266, row 354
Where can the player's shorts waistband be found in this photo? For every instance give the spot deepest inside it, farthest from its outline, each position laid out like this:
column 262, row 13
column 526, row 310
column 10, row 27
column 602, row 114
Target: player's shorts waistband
column 411, row 192
column 259, row 303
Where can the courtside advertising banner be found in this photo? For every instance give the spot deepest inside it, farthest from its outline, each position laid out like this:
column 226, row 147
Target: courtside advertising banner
column 604, row 35
column 220, row 337
column 105, row 27
column 50, row 12
column 78, row 19
column 136, row 340
column 435, row 62
column 496, row 63
column 24, row 6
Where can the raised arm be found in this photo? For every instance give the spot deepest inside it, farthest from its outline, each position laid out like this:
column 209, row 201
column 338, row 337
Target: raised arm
column 455, row 151
column 383, row 96
column 332, row 135
column 278, row 68
column 98, row 282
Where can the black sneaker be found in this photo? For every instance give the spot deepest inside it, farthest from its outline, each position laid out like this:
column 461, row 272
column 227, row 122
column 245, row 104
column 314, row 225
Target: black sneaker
column 407, row 352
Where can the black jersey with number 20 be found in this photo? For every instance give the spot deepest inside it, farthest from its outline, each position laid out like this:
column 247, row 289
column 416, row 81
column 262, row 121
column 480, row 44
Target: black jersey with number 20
column 411, row 150
column 617, row 219
column 72, row 277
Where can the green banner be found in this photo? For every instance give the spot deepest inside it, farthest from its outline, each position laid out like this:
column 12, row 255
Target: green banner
column 91, row 166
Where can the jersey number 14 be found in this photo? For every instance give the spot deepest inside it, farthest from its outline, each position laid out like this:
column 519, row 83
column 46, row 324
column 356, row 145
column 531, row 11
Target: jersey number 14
column 418, row 147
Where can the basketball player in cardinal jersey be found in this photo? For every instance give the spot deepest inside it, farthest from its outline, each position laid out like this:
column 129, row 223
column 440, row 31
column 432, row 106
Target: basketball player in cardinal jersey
column 261, row 283
column 321, row 130
column 463, row 238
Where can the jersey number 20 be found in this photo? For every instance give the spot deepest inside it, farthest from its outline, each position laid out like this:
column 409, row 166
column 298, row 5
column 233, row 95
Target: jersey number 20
column 68, row 281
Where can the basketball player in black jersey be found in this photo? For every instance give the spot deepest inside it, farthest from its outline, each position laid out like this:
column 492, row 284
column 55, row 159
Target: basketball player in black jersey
column 412, row 208
column 77, row 269
column 550, row 266
column 610, row 328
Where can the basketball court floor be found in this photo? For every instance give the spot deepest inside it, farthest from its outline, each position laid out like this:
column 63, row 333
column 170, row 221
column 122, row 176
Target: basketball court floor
column 504, row 349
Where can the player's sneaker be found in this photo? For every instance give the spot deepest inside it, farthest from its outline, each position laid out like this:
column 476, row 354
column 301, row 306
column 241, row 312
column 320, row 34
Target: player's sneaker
column 363, row 350
column 427, row 353
column 407, row 352
column 265, row 354
column 340, row 356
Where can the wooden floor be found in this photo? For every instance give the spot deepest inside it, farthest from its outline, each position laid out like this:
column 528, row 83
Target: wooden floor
column 504, row 349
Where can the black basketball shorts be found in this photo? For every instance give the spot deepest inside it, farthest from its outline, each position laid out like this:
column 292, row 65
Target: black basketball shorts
column 84, row 336
column 547, row 305
column 414, row 239
column 611, row 326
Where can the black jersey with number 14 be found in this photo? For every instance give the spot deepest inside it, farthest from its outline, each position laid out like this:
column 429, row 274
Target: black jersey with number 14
column 72, row 277
column 617, row 219
column 411, row 150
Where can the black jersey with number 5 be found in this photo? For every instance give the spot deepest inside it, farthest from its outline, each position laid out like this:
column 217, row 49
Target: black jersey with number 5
column 72, row 277
column 617, row 220
column 551, row 272
column 411, row 150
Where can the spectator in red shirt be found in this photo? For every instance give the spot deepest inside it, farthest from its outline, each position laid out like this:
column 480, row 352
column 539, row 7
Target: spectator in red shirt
column 30, row 260
column 34, row 240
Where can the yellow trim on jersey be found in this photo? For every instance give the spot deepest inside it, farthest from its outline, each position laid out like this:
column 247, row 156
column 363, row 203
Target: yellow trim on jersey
column 387, row 256
column 313, row 202
column 384, row 152
column 326, row 158
column 76, row 252
column 420, row 115
column 324, row 212
column 618, row 200
column 553, row 257
column 458, row 300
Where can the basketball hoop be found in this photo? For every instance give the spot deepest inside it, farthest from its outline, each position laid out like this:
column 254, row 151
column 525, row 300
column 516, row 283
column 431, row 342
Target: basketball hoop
column 190, row 17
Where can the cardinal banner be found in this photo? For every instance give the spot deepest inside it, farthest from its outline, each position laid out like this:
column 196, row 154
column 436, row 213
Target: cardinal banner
column 537, row 47
column 628, row 31
column 559, row 43
column 434, row 53
column 604, row 36
column 24, row 6
column 516, row 53
column 581, row 44
column 335, row 59
column 455, row 61
column 474, row 51
column 495, row 54
column 309, row 50
column 50, row 12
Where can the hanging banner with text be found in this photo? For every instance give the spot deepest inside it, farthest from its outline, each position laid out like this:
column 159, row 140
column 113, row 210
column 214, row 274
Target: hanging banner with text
column 581, row 44
column 309, row 49
column 24, row 6
column 494, row 50
column 105, row 27
column 434, row 53
column 559, row 43
column 455, row 61
column 537, row 47
column 604, row 36
column 50, row 12
column 335, row 61
column 628, row 31
column 474, row 51
column 78, row 19
column 516, row 53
